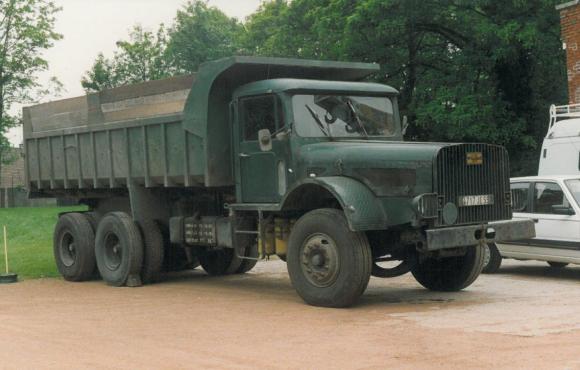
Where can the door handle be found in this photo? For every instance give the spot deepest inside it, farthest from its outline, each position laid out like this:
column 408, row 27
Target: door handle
column 243, row 155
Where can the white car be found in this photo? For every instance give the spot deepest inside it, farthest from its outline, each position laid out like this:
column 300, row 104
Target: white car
column 553, row 203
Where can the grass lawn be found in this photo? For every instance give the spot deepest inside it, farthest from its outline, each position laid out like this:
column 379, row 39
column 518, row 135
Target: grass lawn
column 30, row 240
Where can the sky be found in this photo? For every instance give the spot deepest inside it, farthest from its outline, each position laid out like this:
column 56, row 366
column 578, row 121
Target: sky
column 92, row 26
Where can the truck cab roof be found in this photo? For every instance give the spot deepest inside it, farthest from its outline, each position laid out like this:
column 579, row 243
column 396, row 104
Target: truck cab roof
column 292, row 84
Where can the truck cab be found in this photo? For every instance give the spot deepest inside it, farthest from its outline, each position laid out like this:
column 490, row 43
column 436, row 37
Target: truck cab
column 282, row 128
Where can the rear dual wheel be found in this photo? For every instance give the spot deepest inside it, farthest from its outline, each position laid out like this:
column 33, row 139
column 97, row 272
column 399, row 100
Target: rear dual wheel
column 225, row 261
column 119, row 250
column 74, row 247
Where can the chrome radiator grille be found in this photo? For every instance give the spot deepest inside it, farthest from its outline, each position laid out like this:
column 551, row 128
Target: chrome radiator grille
column 462, row 173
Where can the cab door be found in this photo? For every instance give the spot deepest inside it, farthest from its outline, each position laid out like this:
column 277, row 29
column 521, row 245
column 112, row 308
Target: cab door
column 261, row 174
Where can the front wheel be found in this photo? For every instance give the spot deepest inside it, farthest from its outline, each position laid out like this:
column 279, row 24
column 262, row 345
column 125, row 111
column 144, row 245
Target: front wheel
column 450, row 274
column 328, row 264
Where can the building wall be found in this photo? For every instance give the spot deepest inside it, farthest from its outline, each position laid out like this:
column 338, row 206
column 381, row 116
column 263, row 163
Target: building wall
column 12, row 185
column 570, row 33
column 12, row 175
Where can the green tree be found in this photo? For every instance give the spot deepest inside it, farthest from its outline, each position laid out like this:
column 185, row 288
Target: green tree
column 467, row 70
column 142, row 58
column 201, row 33
column 26, row 30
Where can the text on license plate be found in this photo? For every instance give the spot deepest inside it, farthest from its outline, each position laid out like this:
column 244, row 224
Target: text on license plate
column 475, row 200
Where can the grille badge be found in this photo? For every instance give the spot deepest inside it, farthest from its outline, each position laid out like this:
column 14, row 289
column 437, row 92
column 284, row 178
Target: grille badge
column 474, row 158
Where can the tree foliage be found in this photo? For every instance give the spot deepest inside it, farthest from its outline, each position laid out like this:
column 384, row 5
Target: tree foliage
column 26, row 30
column 141, row 58
column 467, row 70
column 199, row 33
column 202, row 33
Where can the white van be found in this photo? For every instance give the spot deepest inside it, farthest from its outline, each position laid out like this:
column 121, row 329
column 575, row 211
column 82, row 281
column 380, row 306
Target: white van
column 553, row 203
column 561, row 147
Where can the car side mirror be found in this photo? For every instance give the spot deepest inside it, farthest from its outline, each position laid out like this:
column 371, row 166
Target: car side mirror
column 265, row 140
column 405, row 125
column 563, row 210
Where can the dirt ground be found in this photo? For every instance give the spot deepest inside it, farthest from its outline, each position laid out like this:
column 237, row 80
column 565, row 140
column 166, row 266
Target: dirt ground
column 527, row 317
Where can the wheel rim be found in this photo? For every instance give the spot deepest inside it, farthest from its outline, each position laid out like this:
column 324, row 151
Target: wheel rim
column 67, row 249
column 319, row 260
column 486, row 255
column 113, row 252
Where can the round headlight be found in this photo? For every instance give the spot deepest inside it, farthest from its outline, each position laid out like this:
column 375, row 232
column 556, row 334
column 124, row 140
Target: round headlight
column 449, row 213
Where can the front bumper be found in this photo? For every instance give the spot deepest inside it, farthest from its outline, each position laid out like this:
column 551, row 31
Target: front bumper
column 461, row 236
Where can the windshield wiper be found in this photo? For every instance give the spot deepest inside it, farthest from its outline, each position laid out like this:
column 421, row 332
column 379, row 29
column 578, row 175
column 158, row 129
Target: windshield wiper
column 356, row 117
column 325, row 131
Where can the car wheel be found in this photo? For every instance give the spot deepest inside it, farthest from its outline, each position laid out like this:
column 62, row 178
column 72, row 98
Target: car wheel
column 557, row 265
column 492, row 259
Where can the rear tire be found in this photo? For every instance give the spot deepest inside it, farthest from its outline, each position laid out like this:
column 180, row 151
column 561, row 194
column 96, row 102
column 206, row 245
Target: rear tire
column 119, row 250
column 492, row 259
column 74, row 247
column 152, row 251
column 329, row 265
column 217, row 262
column 450, row 274
column 557, row 265
column 248, row 264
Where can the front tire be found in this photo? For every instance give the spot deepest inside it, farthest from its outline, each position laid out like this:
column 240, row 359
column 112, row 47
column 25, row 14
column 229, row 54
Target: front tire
column 119, row 250
column 74, row 247
column 329, row 265
column 450, row 274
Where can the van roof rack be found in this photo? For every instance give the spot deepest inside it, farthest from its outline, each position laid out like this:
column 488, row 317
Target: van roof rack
column 559, row 112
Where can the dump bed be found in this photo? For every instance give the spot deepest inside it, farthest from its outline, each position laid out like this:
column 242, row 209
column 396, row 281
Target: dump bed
column 174, row 132
column 104, row 140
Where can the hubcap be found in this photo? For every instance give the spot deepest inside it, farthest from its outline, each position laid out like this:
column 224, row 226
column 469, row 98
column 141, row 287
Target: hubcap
column 486, row 255
column 113, row 252
column 319, row 260
column 67, row 249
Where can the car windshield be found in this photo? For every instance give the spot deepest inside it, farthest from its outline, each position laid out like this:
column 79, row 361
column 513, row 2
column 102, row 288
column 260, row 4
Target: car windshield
column 574, row 187
column 343, row 116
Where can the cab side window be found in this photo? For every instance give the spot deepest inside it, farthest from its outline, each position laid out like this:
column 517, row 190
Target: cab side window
column 520, row 191
column 258, row 113
column 547, row 195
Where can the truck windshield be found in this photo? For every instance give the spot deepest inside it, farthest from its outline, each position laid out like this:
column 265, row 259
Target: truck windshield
column 574, row 187
column 343, row 116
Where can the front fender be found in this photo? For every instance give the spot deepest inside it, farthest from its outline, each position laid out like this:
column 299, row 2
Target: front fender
column 361, row 207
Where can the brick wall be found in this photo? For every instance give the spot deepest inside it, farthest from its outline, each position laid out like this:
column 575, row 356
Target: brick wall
column 12, row 175
column 570, row 25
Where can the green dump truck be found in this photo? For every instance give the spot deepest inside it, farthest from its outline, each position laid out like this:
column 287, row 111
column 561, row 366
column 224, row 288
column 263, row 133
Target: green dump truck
column 254, row 157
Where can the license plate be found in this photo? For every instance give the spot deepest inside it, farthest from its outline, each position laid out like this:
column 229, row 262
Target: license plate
column 475, row 200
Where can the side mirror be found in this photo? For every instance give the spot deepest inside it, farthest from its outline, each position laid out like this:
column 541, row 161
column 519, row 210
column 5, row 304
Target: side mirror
column 405, row 125
column 265, row 140
column 563, row 210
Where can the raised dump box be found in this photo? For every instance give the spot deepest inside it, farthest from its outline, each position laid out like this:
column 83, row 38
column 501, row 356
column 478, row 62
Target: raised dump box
column 104, row 140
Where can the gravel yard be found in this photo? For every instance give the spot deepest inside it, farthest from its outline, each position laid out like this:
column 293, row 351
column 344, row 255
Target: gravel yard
column 525, row 317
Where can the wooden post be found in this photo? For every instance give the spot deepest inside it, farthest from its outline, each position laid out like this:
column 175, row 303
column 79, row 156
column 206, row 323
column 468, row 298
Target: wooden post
column 6, row 249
